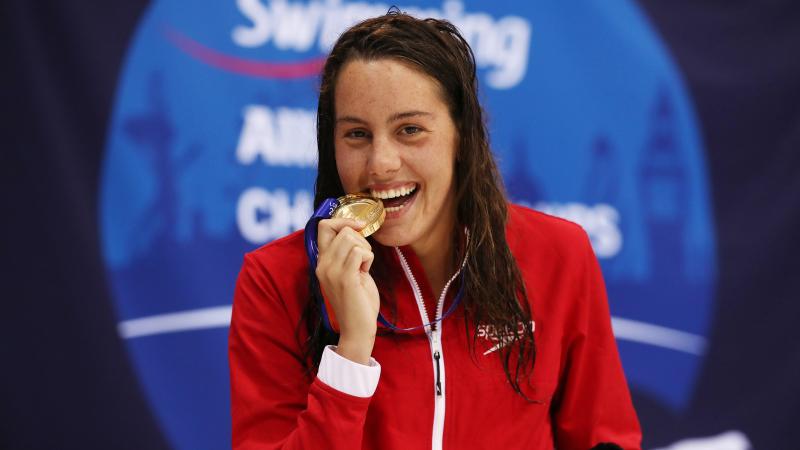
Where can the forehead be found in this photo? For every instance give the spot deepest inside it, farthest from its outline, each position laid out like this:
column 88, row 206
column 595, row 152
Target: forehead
column 385, row 86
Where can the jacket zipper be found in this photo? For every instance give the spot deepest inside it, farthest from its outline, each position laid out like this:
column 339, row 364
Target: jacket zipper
column 434, row 333
column 437, row 357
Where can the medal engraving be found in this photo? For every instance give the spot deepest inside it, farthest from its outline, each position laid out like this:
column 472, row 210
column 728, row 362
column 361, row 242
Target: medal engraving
column 364, row 208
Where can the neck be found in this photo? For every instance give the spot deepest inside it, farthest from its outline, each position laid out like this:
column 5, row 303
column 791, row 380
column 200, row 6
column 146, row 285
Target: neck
column 437, row 262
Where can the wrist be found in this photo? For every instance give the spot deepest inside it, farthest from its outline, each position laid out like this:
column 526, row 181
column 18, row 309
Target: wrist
column 356, row 348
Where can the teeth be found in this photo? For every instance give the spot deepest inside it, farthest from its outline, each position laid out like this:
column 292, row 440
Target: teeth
column 392, row 193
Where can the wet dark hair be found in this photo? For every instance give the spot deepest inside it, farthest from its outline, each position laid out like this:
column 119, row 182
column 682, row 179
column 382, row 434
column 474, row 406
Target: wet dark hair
column 496, row 295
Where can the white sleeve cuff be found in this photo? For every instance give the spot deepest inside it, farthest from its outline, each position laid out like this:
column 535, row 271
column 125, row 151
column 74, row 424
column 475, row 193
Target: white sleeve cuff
column 348, row 376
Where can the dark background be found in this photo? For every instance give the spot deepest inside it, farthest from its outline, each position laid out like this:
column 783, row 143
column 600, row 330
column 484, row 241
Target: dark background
column 66, row 380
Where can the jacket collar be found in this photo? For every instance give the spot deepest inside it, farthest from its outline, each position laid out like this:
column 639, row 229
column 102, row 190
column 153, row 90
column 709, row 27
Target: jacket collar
column 401, row 274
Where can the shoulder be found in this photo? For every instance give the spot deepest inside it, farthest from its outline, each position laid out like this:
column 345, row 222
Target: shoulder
column 270, row 295
column 533, row 232
column 286, row 252
column 557, row 264
column 280, row 266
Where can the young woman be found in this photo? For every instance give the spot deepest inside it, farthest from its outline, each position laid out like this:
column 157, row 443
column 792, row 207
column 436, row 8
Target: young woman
column 497, row 331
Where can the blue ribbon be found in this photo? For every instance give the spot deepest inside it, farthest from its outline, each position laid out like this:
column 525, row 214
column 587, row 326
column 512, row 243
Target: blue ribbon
column 325, row 211
column 382, row 320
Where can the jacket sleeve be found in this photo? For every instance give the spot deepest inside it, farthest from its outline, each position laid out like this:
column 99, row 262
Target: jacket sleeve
column 274, row 402
column 593, row 406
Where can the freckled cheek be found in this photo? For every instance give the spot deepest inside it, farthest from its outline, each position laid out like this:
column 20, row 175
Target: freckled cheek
column 442, row 183
column 350, row 171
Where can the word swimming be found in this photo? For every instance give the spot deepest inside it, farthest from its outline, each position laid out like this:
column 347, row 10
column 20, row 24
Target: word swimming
column 501, row 45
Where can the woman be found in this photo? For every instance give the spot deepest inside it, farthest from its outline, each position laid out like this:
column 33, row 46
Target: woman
column 498, row 330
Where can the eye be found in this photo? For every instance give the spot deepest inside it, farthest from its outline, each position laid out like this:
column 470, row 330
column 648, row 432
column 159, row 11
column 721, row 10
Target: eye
column 356, row 134
column 410, row 130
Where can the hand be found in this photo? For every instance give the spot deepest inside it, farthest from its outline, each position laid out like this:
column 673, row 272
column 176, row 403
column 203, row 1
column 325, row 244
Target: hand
column 345, row 258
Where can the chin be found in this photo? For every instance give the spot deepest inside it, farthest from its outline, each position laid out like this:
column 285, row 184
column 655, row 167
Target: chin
column 392, row 238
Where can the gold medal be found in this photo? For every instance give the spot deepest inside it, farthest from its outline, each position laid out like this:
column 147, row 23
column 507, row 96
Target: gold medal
column 364, row 208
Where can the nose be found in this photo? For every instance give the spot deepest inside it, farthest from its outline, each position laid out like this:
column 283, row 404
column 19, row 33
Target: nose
column 384, row 158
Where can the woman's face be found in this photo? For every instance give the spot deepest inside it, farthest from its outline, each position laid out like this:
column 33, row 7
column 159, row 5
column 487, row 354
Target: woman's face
column 395, row 139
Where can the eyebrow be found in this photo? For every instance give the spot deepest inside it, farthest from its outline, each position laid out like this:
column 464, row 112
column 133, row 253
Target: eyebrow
column 408, row 114
column 392, row 118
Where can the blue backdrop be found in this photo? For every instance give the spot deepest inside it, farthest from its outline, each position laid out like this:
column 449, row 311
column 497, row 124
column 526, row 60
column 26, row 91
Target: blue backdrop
column 604, row 113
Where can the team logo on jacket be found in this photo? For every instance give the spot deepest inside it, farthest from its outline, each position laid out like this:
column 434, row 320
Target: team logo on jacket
column 499, row 340
column 211, row 153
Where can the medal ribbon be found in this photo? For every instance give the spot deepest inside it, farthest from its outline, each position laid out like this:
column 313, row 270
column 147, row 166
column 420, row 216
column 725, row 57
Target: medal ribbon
column 325, row 211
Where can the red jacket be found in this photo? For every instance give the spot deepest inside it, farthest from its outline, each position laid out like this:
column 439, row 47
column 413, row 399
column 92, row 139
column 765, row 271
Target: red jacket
column 578, row 382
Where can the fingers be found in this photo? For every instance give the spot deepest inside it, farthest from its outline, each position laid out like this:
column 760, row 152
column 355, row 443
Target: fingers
column 334, row 234
column 328, row 229
column 359, row 259
column 356, row 259
column 340, row 243
column 366, row 263
column 340, row 247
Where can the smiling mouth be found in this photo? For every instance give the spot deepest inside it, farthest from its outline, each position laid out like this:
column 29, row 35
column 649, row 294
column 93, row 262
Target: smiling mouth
column 394, row 199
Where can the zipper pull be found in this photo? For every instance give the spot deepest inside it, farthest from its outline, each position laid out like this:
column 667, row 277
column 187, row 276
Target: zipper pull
column 436, row 357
